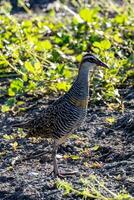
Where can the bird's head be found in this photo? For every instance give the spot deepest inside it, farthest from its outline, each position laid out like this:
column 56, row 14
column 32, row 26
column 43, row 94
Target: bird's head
column 91, row 61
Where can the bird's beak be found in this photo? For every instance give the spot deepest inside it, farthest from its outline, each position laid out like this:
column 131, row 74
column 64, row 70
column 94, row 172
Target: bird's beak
column 100, row 63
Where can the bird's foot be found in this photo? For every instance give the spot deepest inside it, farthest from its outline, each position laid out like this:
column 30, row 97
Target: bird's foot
column 67, row 174
column 63, row 174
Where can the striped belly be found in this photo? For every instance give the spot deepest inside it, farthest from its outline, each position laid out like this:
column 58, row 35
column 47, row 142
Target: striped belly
column 68, row 120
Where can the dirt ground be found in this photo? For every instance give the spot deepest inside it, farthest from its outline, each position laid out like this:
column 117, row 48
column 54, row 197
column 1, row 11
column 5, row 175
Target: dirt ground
column 104, row 150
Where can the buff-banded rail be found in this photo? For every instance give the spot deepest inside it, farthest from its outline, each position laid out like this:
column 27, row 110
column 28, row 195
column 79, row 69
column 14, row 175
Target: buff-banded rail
column 66, row 114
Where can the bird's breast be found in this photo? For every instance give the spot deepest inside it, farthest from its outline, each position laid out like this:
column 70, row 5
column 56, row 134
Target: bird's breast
column 80, row 103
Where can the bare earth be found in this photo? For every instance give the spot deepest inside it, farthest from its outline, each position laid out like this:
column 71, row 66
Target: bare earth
column 104, row 150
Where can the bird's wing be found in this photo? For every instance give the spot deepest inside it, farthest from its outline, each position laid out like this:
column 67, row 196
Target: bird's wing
column 41, row 124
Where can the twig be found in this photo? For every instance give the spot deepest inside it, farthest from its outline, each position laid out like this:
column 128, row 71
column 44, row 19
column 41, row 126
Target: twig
column 73, row 13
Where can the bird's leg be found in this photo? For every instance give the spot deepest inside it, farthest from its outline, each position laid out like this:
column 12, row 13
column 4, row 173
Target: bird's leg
column 55, row 166
column 54, row 152
column 55, row 170
column 56, row 144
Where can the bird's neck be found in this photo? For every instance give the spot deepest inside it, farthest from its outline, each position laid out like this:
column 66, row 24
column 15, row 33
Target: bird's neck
column 81, row 82
column 83, row 75
column 80, row 90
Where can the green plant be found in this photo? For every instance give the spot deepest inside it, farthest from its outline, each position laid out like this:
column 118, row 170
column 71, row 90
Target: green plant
column 91, row 188
column 38, row 53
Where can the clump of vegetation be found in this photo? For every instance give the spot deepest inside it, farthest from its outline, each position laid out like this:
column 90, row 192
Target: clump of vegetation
column 38, row 52
column 91, row 188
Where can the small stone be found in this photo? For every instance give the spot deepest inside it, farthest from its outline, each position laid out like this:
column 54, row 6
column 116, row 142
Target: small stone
column 33, row 174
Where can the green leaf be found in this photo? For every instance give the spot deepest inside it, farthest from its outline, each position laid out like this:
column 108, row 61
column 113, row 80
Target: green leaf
column 120, row 19
column 11, row 101
column 18, row 83
column 7, row 137
column 62, row 86
column 97, row 44
column 88, row 14
column 32, row 85
column 74, row 157
column 5, row 108
column 38, row 68
column 110, row 120
column 79, row 57
column 42, row 45
column 11, row 93
column 103, row 45
column 27, row 23
column 15, row 86
column 96, row 147
column 47, row 44
column 29, row 67
column 67, row 73
column 117, row 38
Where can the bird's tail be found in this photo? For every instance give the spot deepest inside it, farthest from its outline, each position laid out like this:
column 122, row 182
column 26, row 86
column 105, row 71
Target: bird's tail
column 19, row 124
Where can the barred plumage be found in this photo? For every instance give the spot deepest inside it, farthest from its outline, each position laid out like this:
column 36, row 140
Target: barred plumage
column 67, row 113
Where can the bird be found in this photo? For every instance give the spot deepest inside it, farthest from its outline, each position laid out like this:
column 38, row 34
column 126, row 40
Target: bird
column 66, row 114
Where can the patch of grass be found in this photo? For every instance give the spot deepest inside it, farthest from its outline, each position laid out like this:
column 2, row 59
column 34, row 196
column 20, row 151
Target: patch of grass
column 40, row 51
column 91, row 188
